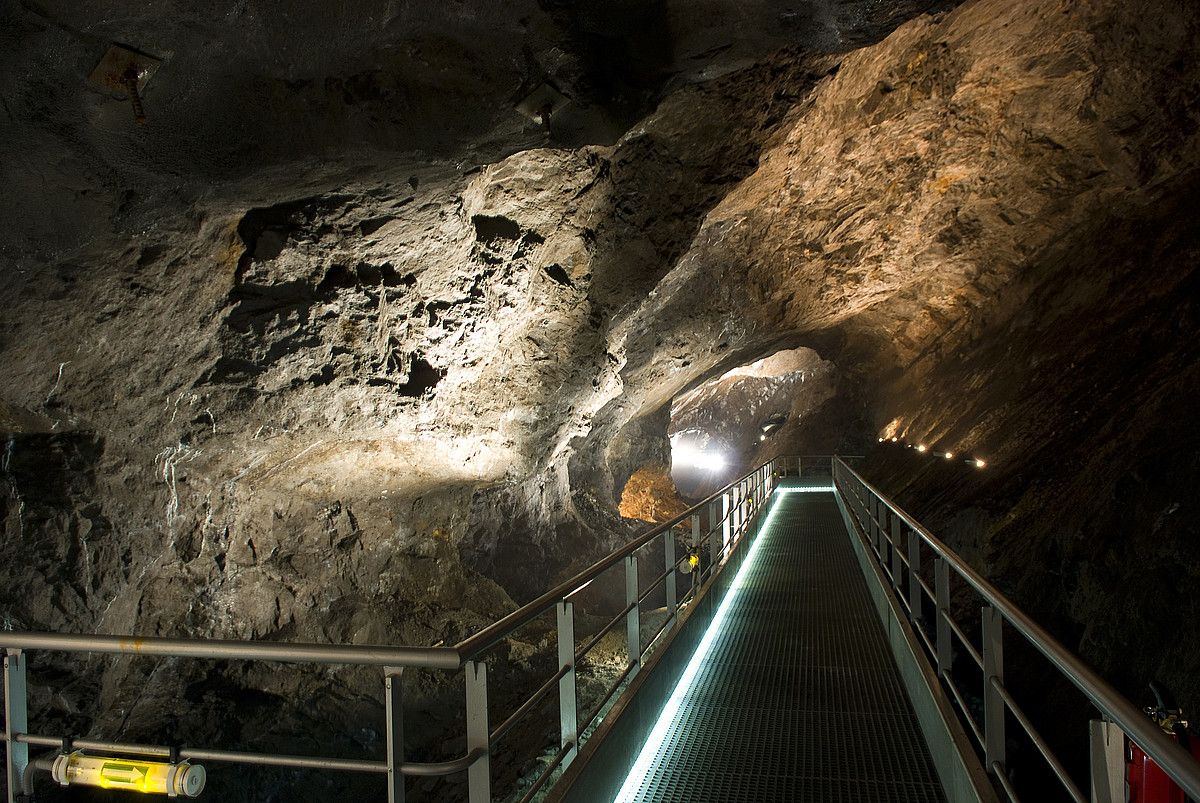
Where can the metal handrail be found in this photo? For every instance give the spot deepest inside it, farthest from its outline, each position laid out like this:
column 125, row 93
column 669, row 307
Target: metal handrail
column 472, row 646
column 221, row 649
column 1167, row 753
column 743, row 498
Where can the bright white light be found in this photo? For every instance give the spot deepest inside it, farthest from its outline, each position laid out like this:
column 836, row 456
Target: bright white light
column 895, row 439
column 697, row 458
column 979, row 463
column 949, row 455
column 762, row 437
column 881, row 440
column 819, row 489
column 665, row 719
column 921, row 448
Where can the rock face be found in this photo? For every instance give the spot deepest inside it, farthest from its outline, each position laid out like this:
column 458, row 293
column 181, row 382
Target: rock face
column 386, row 396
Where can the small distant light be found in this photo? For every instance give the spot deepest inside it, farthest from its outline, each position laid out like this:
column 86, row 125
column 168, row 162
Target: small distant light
column 979, row 463
column 881, row 440
column 949, row 455
column 895, row 439
column 921, row 448
column 762, row 437
column 908, row 446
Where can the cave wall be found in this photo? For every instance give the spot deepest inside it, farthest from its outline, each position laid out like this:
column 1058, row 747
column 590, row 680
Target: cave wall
column 356, row 398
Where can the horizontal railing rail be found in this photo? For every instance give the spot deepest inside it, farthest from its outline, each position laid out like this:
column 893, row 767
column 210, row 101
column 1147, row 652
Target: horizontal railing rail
column 882, row 524
column 727, row 515
column 233, row 650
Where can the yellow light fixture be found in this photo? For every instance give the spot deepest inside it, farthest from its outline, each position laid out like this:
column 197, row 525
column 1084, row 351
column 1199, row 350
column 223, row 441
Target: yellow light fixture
column 979, row 463
column 150, row 777
column 949, row 455
column 921, row 448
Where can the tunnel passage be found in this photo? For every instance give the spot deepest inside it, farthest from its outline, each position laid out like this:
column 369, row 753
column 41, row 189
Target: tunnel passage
column 718, row 426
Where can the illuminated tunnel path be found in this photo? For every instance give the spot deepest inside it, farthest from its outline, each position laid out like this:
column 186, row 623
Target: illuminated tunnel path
column 792, row 695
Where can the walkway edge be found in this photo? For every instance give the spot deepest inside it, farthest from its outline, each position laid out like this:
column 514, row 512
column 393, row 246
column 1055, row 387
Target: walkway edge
column 962, row 775
column 606, row 758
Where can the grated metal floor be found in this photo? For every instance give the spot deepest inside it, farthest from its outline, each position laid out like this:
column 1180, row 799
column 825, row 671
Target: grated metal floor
column 799, row 699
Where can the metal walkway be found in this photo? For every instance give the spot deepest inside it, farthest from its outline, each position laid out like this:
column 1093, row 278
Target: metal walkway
column 798, row 697
column 792, row 693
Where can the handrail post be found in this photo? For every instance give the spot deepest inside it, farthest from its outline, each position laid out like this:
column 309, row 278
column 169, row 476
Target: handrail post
column 714, row 535
column 726, row 512
column 479, row 776
column 633, row 625
column 568, row 708
column 735, row 509
column 393, row 703
column 941, row 588
column 914, row 576
column 669, row 568
column 739, row 508
column 16, row 720
column 993, row 703
column 877, row 523
column 897, row 566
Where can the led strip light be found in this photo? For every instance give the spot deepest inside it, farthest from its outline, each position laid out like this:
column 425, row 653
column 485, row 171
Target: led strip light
column 637, row 775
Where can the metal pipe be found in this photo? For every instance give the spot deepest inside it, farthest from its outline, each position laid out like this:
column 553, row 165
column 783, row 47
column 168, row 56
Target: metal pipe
column 430, row 769
column 1002, row 777
column 962, row 705
column 929, row 645
column 1167, row 753
column 587, row 723
column 545, row 774
column 966, row 642
column 1039, row 742
column 601, row 633
column 504, row 727
column 218, row 649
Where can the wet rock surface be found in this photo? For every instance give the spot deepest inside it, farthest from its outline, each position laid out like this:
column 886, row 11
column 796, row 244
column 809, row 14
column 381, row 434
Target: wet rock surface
column 380, row 374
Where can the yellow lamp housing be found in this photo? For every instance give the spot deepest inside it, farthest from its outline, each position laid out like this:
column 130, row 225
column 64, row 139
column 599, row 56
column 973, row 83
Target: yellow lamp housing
column 150, row 777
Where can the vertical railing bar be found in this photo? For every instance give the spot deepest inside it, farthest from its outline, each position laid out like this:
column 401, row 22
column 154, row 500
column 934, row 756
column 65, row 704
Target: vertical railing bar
column 633, row 619
column 715, row 528
column 479, row 776
column 915, row 601
column 877, row 516
column 941, row 583
column 669, row 558
column 897, row 564
column 726, row 504
column 568, row 706
column 394, row 712
column 16, row 720
column 993, row 703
